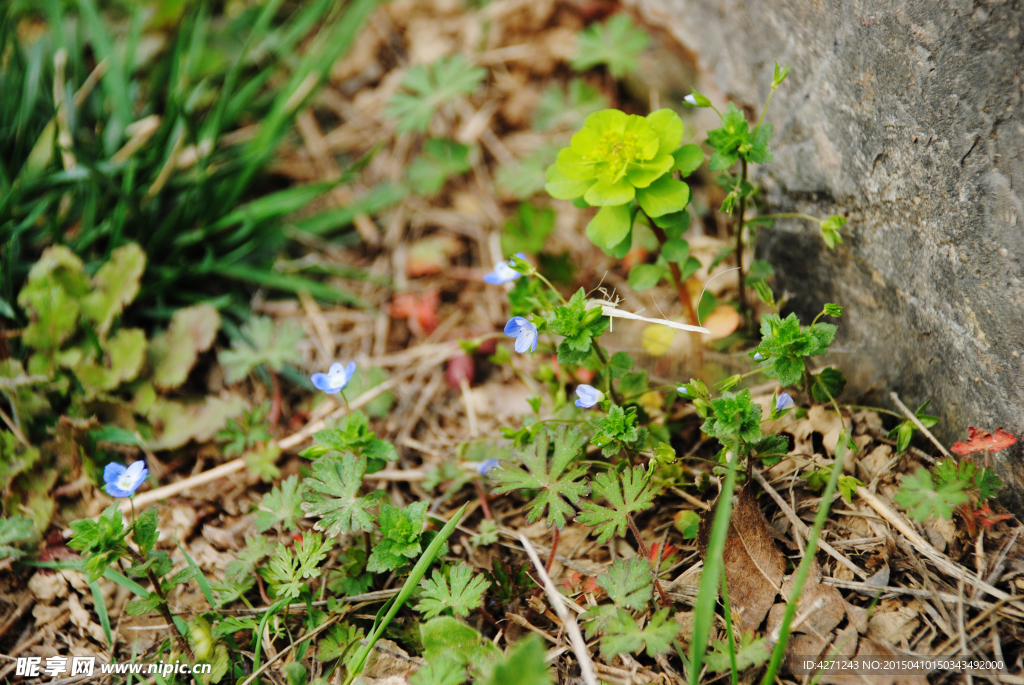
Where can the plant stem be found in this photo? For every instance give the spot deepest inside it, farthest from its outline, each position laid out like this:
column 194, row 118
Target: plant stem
column 677, row 277
column 729, row 638
column 551, row 554
column 162, row 607
column 739, row 241
column 647, row 555
column 275, row 399
column 607, row 374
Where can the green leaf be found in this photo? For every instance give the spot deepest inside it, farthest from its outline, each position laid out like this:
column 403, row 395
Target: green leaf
column 525, row 665
column 610, row 226
column 629, row 582
column 173, row 353
column 688, row 159
column 687, row 522
column 830, row 230
column 281, row 506
column 16, row 530
column 332, row 495
column 51, row 298
column 339, row 640
column 848, row 486
column 635, row 493
column 557, row 479
column 257, row 548
column 562, row 187
column 988, row 484
column 465, row 593
column 441, row 672
column 401, row 530
column 664, row 196
column 617, row 430
column 753, row 651
column 579, row 325
column 771, row 449
column 115, row 285
column 735, row 420
column 528, row 230
column 141, row 607
column 125, row 352
column 263, row 341
column 828, row 384
column 922, row 500
column 441, row 159
column 676, row 250
column 645, row 276
column 287, row 571
column 447, row 639
column 618, row 44
column 568, row 109
column 428, row 87
column 727, row 139
column 624, row 636
column 146, row 533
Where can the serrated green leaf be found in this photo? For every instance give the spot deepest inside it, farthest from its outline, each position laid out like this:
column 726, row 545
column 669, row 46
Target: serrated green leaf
column 557, row 479
column 624, row 636
column 140, row 607
column 465, row 593
column 263, row 341
column 441, row 159
column 617, row 43
column 525, row 665
column 634, row 493
column 332, row 495
column 340, row 640
column 287, row 571
column 145, row 531
column 400, row 541
column 281, row 506
column 919, row 496
column 428, row 87
column 629, row 582
column 828, row 384
column 752, row 651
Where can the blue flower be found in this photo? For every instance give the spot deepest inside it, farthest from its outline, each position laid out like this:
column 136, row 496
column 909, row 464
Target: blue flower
column 335, row 380
column 488, row 465
column 503, row 272
column 682, row 390
column 588, row 396
column 758, row 356
column 524, row 332
column 783, row 402
column 123, row 481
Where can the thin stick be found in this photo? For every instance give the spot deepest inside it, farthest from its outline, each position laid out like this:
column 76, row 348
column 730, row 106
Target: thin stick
column 920, row 426
column 802, row 527
column 609, row 310
column 941, row 561
column 230, row 467
column 554, row 547
column 579, row 646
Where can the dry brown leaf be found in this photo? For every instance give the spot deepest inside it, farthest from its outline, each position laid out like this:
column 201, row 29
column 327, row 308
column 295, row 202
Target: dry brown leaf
column 722, row 321
column 754, row 566
column 47, row 587
column 894, row 620
column 822, row 620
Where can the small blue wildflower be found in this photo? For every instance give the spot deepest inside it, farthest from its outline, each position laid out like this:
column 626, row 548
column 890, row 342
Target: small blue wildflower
column 524, row 332
column 690, row 99
column 487, row 465
column 503, row 272
column 123, row 481
column 758, row 356
column 335, row 380
column 588, row 396
column 682, row 390
column 783, row 402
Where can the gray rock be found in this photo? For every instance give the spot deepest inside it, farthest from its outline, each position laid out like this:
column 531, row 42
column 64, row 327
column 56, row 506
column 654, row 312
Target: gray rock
column 906, row 116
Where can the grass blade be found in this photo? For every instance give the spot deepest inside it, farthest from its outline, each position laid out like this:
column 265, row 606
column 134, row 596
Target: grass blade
column 101, row 611
column 707, row 591
column 729, row 635
column 779, row 652
column 393, row 605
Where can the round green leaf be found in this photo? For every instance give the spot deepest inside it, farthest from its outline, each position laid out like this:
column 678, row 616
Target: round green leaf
column 645, row 276
column 690, row 267
column 664, row 196
column 609, row 226
column 562, row 187
column 688, row 158
column 676, row 250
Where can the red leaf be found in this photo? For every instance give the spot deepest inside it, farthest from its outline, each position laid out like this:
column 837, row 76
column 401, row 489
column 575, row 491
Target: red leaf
column 460, row 369
column 420, row 310
column 988, row 518
column 979, row 440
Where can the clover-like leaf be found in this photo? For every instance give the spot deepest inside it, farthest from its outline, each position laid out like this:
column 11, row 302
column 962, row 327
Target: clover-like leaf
column 557, row 479
column 635, row 493
column 465, row 592
column 332, row 495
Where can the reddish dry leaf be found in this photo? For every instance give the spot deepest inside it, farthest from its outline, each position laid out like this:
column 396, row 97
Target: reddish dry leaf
column 460, row 369
column 989, row 518
column 420, row 310
column 979, row 440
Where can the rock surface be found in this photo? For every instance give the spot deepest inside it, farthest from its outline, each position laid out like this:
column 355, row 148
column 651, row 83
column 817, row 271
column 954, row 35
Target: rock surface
column 908, row 117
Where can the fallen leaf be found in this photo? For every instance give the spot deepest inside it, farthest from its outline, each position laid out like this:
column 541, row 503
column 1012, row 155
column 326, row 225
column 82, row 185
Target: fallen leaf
column 989, row 518
column 431, row 255
column 420, row 310
column 979, row 440
column 754, row 566
column 820, row 621
column 722, row 321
